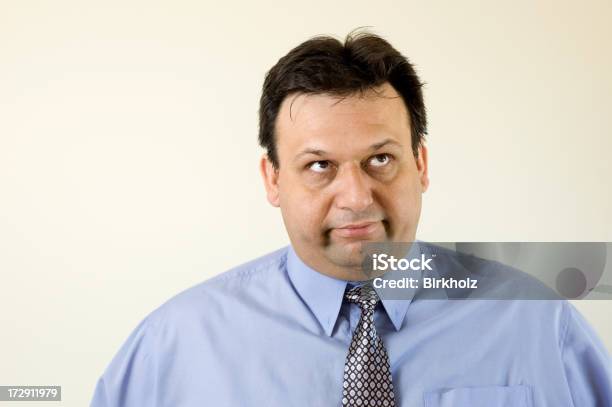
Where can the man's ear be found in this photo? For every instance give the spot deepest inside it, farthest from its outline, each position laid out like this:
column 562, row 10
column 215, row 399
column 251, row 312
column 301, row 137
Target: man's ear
column 270, row 178
column 421, row 162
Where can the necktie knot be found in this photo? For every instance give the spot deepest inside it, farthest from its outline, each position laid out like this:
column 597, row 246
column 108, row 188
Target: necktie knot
column 364, row 296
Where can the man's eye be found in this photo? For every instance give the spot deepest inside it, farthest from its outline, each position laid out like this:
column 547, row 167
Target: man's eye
column 380, row 160
column 319, row 166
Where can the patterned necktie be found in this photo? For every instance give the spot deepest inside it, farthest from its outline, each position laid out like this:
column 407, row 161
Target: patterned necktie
column 367, row 375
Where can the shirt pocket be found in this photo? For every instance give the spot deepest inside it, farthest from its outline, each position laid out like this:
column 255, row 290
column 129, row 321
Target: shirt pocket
column 486, row 396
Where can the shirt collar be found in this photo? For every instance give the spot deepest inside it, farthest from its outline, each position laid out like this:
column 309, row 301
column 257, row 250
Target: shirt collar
column 324, row 294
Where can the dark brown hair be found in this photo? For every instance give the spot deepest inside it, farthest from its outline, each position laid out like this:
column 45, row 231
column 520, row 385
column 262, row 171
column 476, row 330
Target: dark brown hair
column 325, row 65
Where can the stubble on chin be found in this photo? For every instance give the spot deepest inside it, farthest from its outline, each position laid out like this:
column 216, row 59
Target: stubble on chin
column 345, row 254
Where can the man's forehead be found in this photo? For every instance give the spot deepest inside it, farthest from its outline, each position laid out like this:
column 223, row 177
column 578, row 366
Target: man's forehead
column 374, row 113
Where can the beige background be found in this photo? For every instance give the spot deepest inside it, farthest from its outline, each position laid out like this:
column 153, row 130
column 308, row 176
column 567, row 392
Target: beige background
column 128, row 149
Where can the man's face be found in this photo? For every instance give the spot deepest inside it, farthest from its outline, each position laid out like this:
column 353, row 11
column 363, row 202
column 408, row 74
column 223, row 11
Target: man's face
column 347, row 175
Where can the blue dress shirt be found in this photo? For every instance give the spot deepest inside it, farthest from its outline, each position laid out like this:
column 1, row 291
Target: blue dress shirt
column 274, row 332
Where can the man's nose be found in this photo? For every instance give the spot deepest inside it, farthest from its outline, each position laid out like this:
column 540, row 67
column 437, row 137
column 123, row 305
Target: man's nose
column 353, row 189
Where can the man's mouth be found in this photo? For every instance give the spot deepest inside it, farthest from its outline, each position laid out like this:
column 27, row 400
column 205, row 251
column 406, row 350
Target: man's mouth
column 357, row 230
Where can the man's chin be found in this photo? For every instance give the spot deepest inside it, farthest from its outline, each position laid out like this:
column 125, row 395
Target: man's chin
column 347, row 254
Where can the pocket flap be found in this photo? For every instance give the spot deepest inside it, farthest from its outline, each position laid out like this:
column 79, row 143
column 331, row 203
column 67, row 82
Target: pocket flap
column 486, row 396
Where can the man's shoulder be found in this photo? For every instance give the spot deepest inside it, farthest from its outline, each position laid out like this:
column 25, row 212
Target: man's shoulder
column 259, row 267
column 223, row 289
column 495, row 280
column 504, row 290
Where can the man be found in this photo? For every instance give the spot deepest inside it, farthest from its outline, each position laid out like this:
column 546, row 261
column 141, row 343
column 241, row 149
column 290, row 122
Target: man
column 343, row 127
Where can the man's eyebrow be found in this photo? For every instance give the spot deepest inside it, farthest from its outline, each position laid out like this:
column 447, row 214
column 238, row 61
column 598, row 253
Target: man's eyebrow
column 313, row 151
column 383, row 143
column 373, row 147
